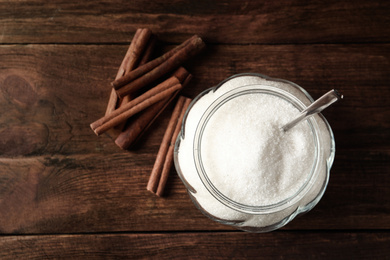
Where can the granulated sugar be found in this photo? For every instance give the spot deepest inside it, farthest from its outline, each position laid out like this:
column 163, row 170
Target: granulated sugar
column 248, row 158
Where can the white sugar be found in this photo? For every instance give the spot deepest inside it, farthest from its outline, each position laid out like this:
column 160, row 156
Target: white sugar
column 245, row 154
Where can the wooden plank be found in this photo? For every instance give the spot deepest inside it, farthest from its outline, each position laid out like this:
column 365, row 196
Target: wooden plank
column 358, row 186
column 62, row 178
column 36, row 21
column 238, row 245
column 49, row 94
column 100, row 193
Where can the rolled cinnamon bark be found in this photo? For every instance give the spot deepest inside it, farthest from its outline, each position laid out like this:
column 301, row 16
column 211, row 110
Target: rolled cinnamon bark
column 164, row 158
column 193, row 47
column 129, row 62
column 138, row 125
column 144, row 58
column 169, row 159
column 160, row 92
column 141, row 70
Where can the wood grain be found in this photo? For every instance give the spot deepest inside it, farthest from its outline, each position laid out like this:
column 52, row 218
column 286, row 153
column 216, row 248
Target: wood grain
column 225, row 245
column 47, row 86
column 65, row 193
column 62, row 178
column 34, row 21
column 96, row 193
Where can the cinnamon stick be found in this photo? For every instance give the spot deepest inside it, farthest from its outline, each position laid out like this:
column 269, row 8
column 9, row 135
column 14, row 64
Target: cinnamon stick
column 147, row 54
column 189, row 50
column 144, row 58
column 164, row 159
column 142, row 121
column 169, row 159
column 141, row 70
column 129, row 62
column 181, row 74
column 164, row 147
column 135, row 51
column 148, row 51
column 187, row 80
column 112, row 101
column 161, row 91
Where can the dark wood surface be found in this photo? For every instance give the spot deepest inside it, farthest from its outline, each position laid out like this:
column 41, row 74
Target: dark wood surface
column 64, row 192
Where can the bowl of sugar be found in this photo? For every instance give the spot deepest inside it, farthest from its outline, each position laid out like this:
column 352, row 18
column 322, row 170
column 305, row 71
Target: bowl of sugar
column 238, row 165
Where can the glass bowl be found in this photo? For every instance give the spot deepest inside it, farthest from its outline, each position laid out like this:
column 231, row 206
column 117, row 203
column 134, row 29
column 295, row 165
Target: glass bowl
column 217, row 201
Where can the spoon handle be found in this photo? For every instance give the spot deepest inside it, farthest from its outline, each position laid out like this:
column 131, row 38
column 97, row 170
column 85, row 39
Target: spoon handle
column 316, row 107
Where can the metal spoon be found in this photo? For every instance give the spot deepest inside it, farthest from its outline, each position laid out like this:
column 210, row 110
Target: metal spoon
column 316, row 107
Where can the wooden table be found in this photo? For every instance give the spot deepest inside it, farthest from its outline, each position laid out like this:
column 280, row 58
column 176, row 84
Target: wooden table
column 64, row 192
